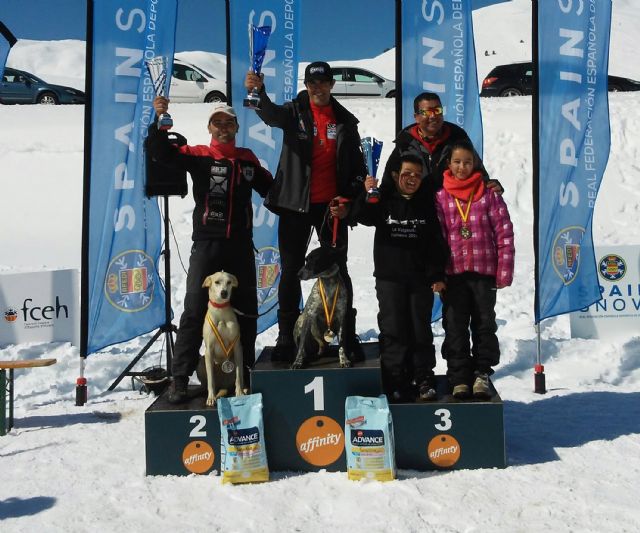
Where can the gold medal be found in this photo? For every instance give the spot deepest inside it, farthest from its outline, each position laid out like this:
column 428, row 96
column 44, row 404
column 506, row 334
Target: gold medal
column 228, row 367
column 329, row 335
column 328, row 314
column 465, row 232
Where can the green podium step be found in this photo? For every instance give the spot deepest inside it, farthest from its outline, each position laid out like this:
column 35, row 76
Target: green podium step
column 303, row 414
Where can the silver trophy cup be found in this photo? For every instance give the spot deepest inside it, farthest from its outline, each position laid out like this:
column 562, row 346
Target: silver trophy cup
column 157, row 68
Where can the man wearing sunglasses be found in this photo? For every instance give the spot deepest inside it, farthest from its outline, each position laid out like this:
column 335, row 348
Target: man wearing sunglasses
column 430, row 138
column 321, row 165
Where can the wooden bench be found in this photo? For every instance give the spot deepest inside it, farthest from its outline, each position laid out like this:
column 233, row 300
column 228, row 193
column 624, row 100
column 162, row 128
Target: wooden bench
column 6, row 388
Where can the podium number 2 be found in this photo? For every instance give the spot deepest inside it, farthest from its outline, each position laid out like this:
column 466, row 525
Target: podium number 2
column 317, row 386
column 200, row 422
column 445, row 419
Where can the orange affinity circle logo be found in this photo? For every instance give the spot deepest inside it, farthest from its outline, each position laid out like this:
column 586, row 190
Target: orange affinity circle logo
column 444, row 450
column 198, row 457
column 320, row 440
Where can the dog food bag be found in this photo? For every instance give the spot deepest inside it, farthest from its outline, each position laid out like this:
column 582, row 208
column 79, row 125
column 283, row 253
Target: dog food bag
column 369, row 438
column 243, row 456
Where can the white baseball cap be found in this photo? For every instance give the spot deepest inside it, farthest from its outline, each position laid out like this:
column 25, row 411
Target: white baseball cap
column 221, row 107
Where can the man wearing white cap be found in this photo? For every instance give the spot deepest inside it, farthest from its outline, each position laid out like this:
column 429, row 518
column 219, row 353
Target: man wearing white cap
column 224, row 176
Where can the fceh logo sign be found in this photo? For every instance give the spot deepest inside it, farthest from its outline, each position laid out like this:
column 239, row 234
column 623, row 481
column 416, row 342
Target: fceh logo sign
column 40, row 307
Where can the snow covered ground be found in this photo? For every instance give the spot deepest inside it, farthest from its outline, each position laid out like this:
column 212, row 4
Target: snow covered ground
column 573, row 454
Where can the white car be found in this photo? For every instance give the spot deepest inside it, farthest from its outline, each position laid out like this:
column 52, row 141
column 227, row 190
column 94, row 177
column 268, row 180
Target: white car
column 354, row 82
column 191, row 84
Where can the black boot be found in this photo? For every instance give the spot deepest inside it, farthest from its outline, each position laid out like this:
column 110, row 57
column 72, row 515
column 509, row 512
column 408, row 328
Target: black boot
column 355, row 353
column 178, row 390
column 285, row 348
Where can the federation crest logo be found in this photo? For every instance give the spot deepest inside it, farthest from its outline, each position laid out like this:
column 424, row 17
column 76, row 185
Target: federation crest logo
column 11, row 315
column 612, row 267
column 268, row 271
column 566, row 253
column 129, row 282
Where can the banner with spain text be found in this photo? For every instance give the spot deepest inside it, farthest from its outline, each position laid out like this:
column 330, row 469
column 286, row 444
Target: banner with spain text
column 280, row 69
column 122, row 226
column 574, row 140
column 438, row 56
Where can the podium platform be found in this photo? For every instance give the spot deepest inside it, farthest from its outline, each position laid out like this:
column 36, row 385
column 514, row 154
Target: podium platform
column 304, row 409
column 182, row 439
column 303, row 413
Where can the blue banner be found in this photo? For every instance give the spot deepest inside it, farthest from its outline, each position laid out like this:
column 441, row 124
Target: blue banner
column 280, row 70
column 574, row 148
column 7, row 40
column 438, row 56
column 126, row 298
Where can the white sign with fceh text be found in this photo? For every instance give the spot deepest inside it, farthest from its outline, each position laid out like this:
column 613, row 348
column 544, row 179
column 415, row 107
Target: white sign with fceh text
column 40, row 307
column 618, row 312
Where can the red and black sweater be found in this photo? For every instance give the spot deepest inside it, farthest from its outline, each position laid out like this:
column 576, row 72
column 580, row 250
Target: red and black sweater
column 224, row 177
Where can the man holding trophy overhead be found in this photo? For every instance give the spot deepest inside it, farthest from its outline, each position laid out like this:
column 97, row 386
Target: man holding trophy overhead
column 321, row 169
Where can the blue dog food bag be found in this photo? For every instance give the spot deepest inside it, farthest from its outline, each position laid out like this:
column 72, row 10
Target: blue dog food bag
column 369, row 438
column 243, row 456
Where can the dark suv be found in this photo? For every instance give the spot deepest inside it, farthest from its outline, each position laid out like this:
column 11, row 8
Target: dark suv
column 20, row 87
column 517, row 79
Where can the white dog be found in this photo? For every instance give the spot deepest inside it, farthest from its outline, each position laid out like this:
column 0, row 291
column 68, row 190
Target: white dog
column 221, row 334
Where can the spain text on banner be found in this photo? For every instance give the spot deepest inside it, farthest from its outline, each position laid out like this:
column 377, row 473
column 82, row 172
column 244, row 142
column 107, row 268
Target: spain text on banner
column 122, row 226
column 574, row 139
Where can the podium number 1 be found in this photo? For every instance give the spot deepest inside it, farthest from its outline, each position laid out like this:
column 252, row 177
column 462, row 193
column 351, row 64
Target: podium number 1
column 317, row 386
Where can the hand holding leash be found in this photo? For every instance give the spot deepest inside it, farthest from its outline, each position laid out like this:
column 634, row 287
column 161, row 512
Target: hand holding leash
column 338, row 209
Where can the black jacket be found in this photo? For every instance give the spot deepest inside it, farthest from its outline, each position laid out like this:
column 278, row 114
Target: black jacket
column 221, row 187
column 408, row 243
column 434, row 163
column 291, row 188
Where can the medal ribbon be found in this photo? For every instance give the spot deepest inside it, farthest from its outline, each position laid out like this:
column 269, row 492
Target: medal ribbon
column 225, row 349
column 465, row 216
column 328, row 316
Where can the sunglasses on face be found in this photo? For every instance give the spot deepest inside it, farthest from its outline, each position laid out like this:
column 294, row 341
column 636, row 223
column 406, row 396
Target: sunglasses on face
column 430, row 112
column 406, row 175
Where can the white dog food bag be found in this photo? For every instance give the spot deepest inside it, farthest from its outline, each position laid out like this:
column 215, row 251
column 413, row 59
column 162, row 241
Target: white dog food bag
column 369, row 438
column 243, row 456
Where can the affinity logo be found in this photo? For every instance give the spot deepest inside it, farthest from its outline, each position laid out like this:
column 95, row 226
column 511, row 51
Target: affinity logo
column 320, row 440
column 443, row 451
column 198, row 457
column 612, row 267
column 11, row 315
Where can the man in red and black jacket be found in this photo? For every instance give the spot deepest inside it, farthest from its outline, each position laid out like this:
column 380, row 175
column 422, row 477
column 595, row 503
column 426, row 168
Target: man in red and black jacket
column 320, row 163
column 224, row 177
column 429, row 138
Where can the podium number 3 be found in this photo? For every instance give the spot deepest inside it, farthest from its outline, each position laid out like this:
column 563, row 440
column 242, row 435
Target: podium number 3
column 317, row 386
column 445, row 419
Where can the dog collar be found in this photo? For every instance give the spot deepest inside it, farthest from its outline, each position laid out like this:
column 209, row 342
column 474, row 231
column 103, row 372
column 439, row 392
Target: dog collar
column 219, row 306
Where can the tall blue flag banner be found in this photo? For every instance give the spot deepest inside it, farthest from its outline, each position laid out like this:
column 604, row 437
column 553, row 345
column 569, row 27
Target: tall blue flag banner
column 126, row 298
column 438, row 56
column 280, row 70
column 7, row 40
column 574, row 139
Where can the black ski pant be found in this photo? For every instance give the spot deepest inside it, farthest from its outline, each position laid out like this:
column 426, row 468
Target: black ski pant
column 294, row 234
column 469, row 303
column 406, row 340
column 236, row 257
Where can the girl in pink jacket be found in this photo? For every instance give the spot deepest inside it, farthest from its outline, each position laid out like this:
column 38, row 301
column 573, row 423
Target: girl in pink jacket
column 476, row 224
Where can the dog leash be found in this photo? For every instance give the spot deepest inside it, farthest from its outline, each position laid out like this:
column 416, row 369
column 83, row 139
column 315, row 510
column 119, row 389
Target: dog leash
column 336, row 202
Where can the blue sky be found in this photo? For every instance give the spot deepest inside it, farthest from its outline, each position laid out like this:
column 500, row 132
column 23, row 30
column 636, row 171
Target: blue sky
column 333, row 29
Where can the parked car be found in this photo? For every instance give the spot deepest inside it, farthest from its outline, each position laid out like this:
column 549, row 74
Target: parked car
column 516, row 79
column 20, row 87
column 352, row 82
column 192, row 84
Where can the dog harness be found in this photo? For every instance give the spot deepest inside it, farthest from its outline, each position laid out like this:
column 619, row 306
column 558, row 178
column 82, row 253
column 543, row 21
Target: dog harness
column 329, row 334
column 227, row 366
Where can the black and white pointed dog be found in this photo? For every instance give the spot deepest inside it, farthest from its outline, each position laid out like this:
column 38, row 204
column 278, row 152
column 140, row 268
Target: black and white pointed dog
column 325, row 311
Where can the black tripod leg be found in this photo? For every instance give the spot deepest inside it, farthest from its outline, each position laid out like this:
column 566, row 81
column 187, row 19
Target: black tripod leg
column 135, row 360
